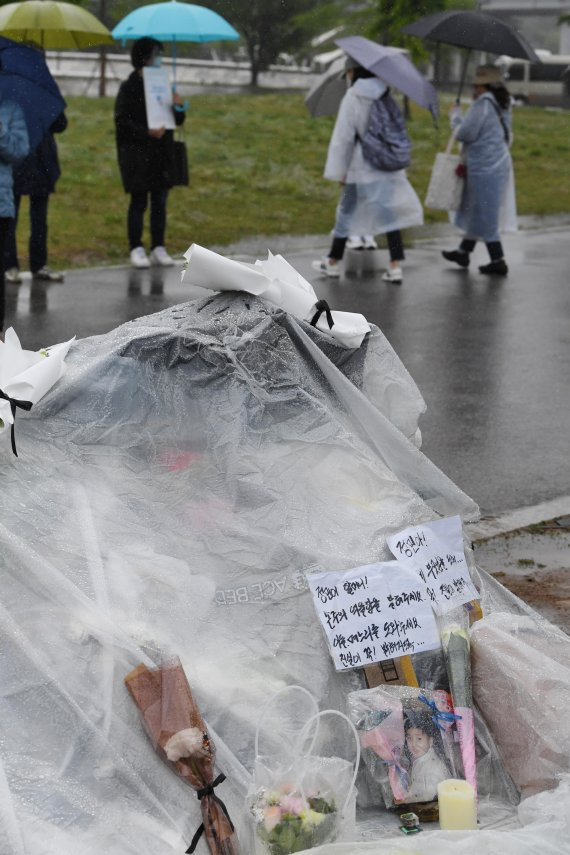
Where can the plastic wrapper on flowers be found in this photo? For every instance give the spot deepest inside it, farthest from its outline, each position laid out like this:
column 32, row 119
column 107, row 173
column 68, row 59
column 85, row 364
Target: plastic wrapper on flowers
column 454, row 630
column 407, row 740
column 25, row 377
column 178, row 732
column 301, row 810
column 300, row 798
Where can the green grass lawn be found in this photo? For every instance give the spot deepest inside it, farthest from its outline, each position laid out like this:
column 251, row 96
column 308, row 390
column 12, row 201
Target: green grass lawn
column 256, row 168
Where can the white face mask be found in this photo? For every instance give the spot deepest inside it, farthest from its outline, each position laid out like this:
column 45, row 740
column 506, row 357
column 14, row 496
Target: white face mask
column 157, row 62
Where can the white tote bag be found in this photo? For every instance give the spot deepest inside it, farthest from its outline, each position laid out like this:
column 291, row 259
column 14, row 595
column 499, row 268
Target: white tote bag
column 445, row 186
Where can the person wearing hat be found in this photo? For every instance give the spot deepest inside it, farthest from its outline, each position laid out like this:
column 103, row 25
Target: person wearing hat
column 145, row 157
column 373, row 201
column 488, row 202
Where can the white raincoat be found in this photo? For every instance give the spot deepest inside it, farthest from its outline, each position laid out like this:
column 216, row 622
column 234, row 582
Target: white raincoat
column 386, row 201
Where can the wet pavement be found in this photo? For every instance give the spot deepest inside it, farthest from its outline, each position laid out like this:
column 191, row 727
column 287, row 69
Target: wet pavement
column 533, row 563
column 490, row 355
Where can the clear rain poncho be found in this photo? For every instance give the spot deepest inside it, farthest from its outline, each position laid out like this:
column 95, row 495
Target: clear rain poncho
column 170, row 493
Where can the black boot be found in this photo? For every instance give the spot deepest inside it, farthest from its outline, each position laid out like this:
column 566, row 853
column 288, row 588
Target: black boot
column 460, row 258
column 496, row 268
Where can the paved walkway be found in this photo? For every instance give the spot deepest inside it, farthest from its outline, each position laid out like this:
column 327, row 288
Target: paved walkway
column 490, row 356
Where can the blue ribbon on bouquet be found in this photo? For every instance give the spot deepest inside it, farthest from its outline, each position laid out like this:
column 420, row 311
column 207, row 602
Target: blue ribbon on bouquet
column 437, row 715
column 14, row 404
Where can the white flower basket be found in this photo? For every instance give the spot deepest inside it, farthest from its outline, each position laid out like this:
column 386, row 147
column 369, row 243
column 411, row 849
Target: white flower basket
column 305, row 800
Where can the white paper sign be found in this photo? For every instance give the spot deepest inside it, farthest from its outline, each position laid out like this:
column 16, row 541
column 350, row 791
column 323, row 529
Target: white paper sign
column 372, row 613
column 434, row 551
column 158, row 98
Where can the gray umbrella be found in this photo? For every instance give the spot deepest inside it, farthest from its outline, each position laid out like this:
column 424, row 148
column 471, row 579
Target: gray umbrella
column 393, row 67
column 325, row 95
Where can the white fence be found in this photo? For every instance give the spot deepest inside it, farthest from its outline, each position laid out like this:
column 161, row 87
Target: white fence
column 80, row 74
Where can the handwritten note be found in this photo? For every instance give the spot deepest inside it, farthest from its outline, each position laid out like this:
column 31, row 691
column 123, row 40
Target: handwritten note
column 434, row 551
column 373, row 613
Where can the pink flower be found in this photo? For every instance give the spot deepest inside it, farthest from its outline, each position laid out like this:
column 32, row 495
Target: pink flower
column 176, row 461
column 293, row 804
column 272, row 817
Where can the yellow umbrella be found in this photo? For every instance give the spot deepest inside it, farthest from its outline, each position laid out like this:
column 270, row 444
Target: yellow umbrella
column 53, row 25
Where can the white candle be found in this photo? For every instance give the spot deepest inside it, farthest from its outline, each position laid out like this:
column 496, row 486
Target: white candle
column 457, row 805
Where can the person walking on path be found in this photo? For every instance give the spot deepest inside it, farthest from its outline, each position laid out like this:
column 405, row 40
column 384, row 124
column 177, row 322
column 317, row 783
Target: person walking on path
column 488, row 202
column 145, row 157
column 36, row 177
column 373, row 201
column 14, row 146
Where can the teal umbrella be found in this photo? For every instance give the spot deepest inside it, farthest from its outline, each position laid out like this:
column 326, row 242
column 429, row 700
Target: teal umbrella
column 175, row 22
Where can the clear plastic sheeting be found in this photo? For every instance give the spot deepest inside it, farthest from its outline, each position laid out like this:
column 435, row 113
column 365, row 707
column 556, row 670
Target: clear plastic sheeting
column 170, row 493
column 543, row 825
column 522, row 678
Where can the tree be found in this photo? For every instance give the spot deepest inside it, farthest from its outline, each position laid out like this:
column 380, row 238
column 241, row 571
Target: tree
column 268, row 27
column 392, row 15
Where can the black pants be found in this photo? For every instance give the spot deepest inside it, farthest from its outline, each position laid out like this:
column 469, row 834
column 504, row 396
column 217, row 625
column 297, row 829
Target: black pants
column 395, row 246
column 135, row 217
column 5, row 223
column 37, row 245
column 494, row 248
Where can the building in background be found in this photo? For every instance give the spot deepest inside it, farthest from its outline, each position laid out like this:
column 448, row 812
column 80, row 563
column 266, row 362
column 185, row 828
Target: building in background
column 536, row 19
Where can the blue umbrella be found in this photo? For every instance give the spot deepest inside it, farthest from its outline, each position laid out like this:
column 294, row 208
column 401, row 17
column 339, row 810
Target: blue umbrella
column 26, row 80
column 175, row 22
column 392, row 67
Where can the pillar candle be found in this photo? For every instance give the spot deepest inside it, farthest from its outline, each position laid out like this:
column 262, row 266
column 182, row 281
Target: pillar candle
column 457, row 805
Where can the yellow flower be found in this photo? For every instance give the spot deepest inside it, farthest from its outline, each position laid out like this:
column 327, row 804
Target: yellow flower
column 310, row 818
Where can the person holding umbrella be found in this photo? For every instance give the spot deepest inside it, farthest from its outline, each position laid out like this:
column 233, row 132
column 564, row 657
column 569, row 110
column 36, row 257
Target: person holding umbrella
column 145, row 157
column 373, row 201
column 488, row 201
column 14, row 146
column 36, row 177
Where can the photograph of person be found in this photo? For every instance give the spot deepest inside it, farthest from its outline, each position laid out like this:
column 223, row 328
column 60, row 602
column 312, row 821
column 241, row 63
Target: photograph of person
column 424, row 751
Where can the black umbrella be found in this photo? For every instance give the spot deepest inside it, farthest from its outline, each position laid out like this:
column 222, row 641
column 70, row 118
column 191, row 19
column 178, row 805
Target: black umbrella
column 474, row 31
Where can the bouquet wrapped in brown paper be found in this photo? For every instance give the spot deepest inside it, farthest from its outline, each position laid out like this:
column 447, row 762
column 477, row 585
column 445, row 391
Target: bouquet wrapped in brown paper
column 178, row 732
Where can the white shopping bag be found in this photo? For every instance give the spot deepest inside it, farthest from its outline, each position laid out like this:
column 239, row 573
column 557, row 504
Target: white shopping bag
column 445, row 187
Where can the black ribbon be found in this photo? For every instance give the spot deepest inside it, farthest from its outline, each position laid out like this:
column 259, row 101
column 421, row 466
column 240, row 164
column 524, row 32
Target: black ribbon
column 322, row 306
column 14, row 405
column 209, row 791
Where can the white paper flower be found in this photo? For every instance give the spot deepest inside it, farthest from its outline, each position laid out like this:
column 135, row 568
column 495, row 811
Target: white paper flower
column 276, row 281
column 26, row 375
column 186, row 743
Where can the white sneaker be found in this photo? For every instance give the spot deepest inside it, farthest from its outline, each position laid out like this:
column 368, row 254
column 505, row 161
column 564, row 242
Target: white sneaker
column 393, row 274
column 355, row 242
column 160, row 257
column 13, row 275
column 327, row 267
column 48, row 275
column 369, row 242
column 139, row 257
